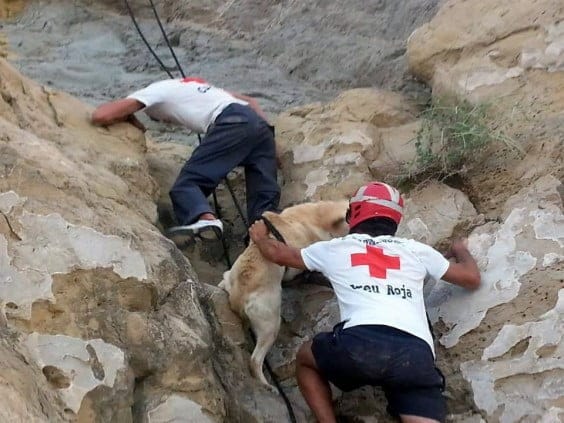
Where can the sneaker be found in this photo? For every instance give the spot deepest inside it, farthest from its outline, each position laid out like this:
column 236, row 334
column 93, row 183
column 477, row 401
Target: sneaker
column 204, row 229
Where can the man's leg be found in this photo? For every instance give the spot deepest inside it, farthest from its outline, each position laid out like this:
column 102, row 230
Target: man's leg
column 221, row 150
column 187, row 194
column 313, row 386
column 414, row 385
column 263, row 192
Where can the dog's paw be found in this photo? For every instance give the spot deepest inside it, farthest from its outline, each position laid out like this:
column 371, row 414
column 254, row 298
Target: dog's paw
column 224, row 284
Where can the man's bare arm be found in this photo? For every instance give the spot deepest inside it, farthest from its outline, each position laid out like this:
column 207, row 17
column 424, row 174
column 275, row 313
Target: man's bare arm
column 465, row 271
column 117, row 111
column 273, row 250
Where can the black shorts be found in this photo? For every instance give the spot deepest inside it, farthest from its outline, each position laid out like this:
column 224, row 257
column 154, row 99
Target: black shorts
column 375, row 355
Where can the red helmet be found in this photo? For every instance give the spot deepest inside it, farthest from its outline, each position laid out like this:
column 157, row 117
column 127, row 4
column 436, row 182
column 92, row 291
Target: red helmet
column 375, row 199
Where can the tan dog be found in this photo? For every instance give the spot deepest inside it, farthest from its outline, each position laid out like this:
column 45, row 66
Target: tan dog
column 255, row 284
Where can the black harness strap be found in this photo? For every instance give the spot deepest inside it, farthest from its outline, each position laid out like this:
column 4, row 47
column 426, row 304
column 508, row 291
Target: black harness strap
column 273, row 230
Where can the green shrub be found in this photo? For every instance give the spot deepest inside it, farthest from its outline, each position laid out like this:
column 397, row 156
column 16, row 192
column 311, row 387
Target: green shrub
column 452, row 139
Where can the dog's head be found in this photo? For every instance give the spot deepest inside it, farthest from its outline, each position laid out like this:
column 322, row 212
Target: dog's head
column 331, row 217
column 318, row 221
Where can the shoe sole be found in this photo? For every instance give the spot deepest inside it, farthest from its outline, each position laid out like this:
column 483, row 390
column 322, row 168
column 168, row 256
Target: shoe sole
column 211, row 233
column 187, row 236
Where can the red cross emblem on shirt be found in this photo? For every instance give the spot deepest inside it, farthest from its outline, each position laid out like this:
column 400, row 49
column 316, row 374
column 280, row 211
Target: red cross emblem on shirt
column 378, row 263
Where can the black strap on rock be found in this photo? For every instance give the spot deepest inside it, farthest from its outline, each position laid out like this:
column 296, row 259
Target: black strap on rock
column 276, row 382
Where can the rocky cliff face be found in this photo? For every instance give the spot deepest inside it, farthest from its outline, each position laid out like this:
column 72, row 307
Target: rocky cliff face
column 105, row 307
column 103, row 319
column 507, row 343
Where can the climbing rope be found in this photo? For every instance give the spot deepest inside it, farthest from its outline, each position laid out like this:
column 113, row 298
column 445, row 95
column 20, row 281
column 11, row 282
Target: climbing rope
column 145, row 40
column 166, row 39
column 291, row 414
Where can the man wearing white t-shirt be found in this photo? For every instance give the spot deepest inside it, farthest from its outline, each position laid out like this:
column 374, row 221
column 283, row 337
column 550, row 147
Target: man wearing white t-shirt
column 236, row 134
column 384, row 338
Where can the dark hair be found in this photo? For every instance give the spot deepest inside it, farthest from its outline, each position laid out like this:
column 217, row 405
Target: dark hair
column 375, row 226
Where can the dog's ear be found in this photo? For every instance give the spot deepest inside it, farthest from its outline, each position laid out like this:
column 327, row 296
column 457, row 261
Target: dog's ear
column 278, row 221
column 270, row 215
column 274, row 218
column 337, row 223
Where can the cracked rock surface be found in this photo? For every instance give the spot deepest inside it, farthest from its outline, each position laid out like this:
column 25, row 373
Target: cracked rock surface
column 104, row 320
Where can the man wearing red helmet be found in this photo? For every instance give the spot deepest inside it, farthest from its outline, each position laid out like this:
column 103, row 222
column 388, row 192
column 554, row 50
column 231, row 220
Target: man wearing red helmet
column 384, row 338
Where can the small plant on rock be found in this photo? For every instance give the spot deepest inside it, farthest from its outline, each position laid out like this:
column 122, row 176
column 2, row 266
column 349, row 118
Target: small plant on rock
column 452, row 139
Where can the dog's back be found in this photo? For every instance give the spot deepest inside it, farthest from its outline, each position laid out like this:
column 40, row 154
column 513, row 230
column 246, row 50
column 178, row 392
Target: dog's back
column 304, row 224
column 254, row 284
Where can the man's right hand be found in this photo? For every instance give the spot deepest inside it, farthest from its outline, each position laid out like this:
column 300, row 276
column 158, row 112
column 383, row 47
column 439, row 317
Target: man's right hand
column 258, row 231
column 274, row 250
column 457, row 247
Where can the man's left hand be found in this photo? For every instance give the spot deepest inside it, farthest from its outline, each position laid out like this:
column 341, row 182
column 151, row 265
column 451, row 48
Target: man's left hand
column 455, row 247
column 258, row 231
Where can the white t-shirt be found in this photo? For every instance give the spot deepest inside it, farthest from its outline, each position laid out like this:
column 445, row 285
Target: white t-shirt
column 190, row 102
column 379, row 280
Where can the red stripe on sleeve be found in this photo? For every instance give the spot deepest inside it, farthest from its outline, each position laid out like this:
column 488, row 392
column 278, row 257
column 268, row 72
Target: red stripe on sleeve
column 189, row 79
